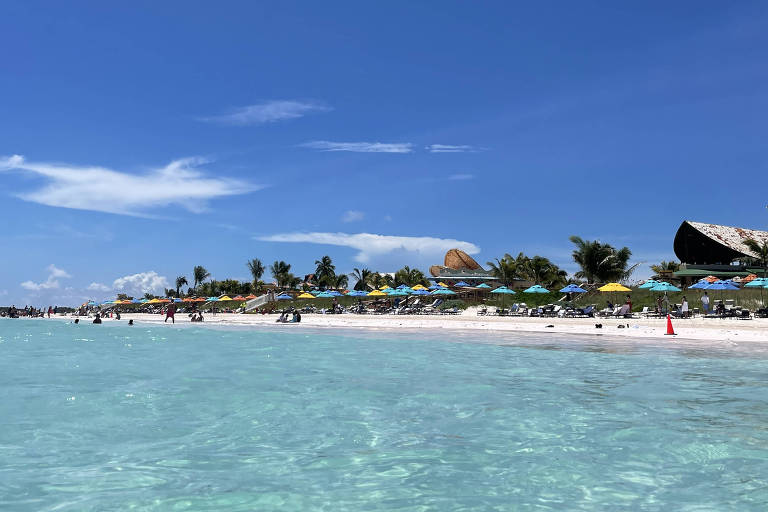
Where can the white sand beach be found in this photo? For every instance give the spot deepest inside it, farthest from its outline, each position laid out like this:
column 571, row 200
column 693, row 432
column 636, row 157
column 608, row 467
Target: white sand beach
column 705, row 329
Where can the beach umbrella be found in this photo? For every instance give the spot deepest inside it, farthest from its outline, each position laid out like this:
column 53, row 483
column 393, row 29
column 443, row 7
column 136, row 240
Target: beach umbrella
column 225, row 298
column 177, row 300
column 284, row 296
column 503, row 291
column 484, row 285
column 239, row 297
column 422, row 291
column 711, row 279
column 213, row 299
column 419, row 287
column 663, row 286
column 435, row 286
column 614, row 287
column 443, row 291
column 722, row 286
column 334, row 293
column 188, row 299
column 199, row 299
column 648, row 284
column 443, row 284
column 403, row 286
column 699, row 285
column 250, row 297
column 155, row 301
column 536, row 289
column 357, row 293
column 461, row 284
column 385, row 287
column 572, row 288
column 306, row 295
column 398, row 293
column 138, row 301
column 377, row 293
column 758, row 282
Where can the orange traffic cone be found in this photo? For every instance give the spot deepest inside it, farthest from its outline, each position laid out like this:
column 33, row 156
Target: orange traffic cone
column 670, row 330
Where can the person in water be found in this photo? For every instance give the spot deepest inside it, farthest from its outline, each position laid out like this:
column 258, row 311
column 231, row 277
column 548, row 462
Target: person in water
column 170, row 313
column 130, row 322
column 97, row 320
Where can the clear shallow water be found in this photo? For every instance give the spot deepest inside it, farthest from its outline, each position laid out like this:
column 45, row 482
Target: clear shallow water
column 159, row 418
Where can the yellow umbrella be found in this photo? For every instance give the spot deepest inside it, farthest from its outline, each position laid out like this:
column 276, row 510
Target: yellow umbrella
column 614, row 287
column 419, row 287
column 376, row 293
column 306, row 295
column 443, row 284
column 226, row 297
column 155, row 301
column 385, row 287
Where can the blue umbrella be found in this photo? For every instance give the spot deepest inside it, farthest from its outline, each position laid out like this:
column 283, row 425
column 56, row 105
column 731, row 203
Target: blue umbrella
column 177, row 300
column 504, row 290
column 357, row 293
column 403, row 286
column 443, row 291
column 436, row 287
column 335, row 293
column 572, row 288
column 398, row 293
column 462, row 284
column 484, row 285
column 323, row 295
column 722, row 285
column 663, row 286
column 648, row 284
column 138, row 301
column 701, row 285
column 284, row 296
column 421, row 292
column 757, row 283
column 536, row 289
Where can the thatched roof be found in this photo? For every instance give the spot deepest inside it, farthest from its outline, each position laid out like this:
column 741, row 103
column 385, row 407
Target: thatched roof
column 698, row 242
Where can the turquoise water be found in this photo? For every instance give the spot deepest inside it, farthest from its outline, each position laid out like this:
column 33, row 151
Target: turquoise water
column 113, row 417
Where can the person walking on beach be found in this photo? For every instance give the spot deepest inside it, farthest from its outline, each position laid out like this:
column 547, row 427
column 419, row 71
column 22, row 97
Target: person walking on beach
column 50, row 310
column 705, row 303
column 684, row 307
column 170, row 313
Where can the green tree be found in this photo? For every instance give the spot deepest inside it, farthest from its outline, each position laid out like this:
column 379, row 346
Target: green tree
column 601, row 263
column 199, row 274
column 507, row 268
column 410, row 277
column 281, row 272
column 256, row 268
column 180, row 281
column 664, row 268
column 341, row 282
column 362, row 278
column 761, row 252
column 325, row 272
column 542, row 271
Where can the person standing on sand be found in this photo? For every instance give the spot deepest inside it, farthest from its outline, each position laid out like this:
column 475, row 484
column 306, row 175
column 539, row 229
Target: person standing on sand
column 170, row 313
column 705, row 303
column 684, row 307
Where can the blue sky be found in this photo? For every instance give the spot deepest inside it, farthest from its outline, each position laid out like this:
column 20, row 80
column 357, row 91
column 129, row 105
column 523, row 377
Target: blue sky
column 139, row 141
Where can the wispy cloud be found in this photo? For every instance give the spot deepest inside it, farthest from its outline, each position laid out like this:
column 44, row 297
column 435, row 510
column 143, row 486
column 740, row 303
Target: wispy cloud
column 361, row 147
column 54, row 274
column 98, row 287
column 352, row 216
column 141, row 283
column 448, row 148
column 461, row 177
column 105, row 190
column 268, row 112
column 371, row 245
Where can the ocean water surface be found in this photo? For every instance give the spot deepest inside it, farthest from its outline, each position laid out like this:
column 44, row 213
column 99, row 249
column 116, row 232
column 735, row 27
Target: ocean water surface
column 111, row 417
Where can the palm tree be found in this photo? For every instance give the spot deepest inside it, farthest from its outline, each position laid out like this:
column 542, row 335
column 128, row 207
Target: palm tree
column 257, row 270
column 761, row 250
column 410, row 277
column 362, row 278
column 341, row 282
column 542, row 271
column 281, row 271
column 325, row 272
column 665, row 268
column 601, row 262
column 505, row 269
column 199, row 274
column 180, row 281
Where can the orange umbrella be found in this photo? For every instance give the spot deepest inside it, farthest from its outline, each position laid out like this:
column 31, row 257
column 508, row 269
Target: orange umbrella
column 249, row 297
column 750, row 277
column 199, row 299
column 165, row 300
column 187, row 299
column 711, row 279
column 239, row 297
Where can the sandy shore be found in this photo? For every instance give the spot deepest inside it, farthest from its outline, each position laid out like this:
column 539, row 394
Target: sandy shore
column 755, row 330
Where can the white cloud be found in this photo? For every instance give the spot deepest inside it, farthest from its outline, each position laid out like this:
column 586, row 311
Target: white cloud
column 105, row 190
column 268, row 112
column 461, row 177
column 448, row 148
column 54, row 274
column 352, row 216
column 139, row 284
column 360, row 147
column 98, row 287
column 371, row 245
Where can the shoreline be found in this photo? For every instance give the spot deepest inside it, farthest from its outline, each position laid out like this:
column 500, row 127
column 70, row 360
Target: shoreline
column 701, row 329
